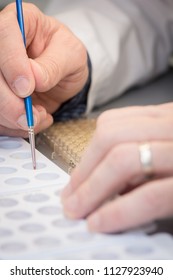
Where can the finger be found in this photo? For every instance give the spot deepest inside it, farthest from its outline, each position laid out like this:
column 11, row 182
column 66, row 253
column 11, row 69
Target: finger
column 150, row 202
column 156, row 111
column 14, row 62
column 64, row 55
column 46, row 100
column 5, row 131
column 105, row 138
column 45, row 120
column 12, row 109
column 113, row 175
column 44, row 124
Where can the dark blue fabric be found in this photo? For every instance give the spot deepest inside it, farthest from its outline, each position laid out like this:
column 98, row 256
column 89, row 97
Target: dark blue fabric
column 76, row 106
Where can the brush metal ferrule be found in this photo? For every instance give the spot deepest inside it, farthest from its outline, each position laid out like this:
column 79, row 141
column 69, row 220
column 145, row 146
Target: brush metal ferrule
column 32, row 143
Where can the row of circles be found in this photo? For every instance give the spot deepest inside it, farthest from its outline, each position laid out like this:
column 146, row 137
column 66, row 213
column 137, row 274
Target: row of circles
column 47, row 176
column 18, row 155
column 36, row 228
column 34, row 198
column 16, row 247
column 9, row 144
column 23, row 215
column 10, row 170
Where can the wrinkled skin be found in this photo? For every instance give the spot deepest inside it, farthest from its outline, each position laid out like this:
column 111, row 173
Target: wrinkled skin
column 109, row 187
column 53, row 68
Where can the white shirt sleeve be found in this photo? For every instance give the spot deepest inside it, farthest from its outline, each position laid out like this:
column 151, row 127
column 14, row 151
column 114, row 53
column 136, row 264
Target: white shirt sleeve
column 129, row 42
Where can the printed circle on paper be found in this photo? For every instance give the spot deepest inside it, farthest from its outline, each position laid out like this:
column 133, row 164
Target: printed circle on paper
column 17, row 181
column 10, row 145
column 8, row 202
column 29, row 166
column 37, row 197
column 7, row 170
column 18, row 215
column 21, row 155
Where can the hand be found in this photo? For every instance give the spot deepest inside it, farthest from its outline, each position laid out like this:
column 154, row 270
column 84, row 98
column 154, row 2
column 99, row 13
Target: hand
column 109, row 187
column 54, row 68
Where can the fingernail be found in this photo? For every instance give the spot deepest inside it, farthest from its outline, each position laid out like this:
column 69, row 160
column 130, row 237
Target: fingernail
column 22, row 86
column 22, row 121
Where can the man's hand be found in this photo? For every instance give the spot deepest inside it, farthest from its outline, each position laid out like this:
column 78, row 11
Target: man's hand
column 53, row 67
column 109, row 187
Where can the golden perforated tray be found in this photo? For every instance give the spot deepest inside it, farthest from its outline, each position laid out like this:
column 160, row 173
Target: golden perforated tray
column 69, row 140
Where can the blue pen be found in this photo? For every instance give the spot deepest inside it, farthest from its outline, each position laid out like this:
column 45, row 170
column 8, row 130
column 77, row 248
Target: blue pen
column 27, row 100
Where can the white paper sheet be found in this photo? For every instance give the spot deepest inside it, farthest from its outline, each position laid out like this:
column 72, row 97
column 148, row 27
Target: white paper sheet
column 32, row 224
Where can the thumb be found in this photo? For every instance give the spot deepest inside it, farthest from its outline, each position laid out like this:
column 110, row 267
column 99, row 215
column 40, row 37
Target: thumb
column 14, row 63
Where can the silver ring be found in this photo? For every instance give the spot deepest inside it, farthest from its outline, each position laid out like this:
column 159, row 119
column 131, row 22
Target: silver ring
column 146, row 159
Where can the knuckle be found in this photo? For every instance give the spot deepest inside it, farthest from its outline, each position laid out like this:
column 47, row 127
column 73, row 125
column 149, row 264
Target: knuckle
column 103, row 117
column 119, row 152
column 32, row 7
column 31, row 12
column 9, row 7
column 77, row 48
column 82, row 53
column 115, row 156
column 118, row 161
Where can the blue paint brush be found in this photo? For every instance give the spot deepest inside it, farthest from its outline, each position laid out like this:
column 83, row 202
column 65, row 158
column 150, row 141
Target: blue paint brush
column 27, row 100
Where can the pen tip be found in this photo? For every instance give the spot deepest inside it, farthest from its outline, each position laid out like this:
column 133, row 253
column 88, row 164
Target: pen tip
column 32, row 143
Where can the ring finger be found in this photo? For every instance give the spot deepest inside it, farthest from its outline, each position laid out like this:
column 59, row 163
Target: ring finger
column 113, row 175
